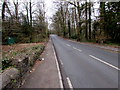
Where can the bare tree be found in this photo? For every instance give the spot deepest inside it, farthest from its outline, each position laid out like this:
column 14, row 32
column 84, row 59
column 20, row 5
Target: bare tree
column 3, row 10
column 16, row 9
column 89, row 19
column 4, row 5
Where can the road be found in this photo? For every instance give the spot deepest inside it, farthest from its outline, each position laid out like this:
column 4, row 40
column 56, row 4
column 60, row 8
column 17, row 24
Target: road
column 87, row 66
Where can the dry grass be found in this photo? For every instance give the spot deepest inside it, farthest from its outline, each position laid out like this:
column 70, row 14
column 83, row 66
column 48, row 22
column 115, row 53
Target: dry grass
column 17, row 47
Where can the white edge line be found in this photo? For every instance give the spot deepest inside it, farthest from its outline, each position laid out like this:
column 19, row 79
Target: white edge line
column 104, row 62
column 59, row 73
column 69, row 83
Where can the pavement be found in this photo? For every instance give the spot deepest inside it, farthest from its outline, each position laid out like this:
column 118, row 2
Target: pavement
column 87, row 66
column 45, row 73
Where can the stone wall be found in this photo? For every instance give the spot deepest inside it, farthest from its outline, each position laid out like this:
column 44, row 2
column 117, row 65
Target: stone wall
column 13, row 77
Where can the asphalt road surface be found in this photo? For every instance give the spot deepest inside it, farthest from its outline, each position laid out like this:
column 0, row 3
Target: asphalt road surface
column 87, row 66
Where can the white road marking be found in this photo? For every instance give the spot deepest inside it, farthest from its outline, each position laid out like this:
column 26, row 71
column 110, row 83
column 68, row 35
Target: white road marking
column 61, row 62
column 68, row 45
column 59, row 73
column 105, row 62
column 69, row 83
column 77, row 49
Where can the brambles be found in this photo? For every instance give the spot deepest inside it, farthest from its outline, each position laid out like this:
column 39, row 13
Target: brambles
column 7, row 59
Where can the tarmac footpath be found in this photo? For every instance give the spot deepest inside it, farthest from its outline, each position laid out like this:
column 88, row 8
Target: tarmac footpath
column 47, row 73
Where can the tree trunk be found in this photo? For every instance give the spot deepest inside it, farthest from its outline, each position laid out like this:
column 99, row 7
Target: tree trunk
column 102, row 15
column 79, row 23
column 76, row 23
column 3, row 11
column 30, row 20
column 69, row 29
column 102, row 20
column 26, row 7
column 16, row 10
column 89, row 20
column 30, row 14
column 86, row 29
column 63, row 21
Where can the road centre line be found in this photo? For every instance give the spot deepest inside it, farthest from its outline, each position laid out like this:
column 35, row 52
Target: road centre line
column 68, row 45
column 69, row 83
column 105, row 62
column 77, row 49
column 74, row 48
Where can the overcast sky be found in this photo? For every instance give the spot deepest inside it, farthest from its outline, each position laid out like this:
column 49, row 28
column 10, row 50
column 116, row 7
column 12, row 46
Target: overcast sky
column 50, row 9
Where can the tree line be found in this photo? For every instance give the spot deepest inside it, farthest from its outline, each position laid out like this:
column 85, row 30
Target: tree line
column 23, row 21
column 74, row 19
